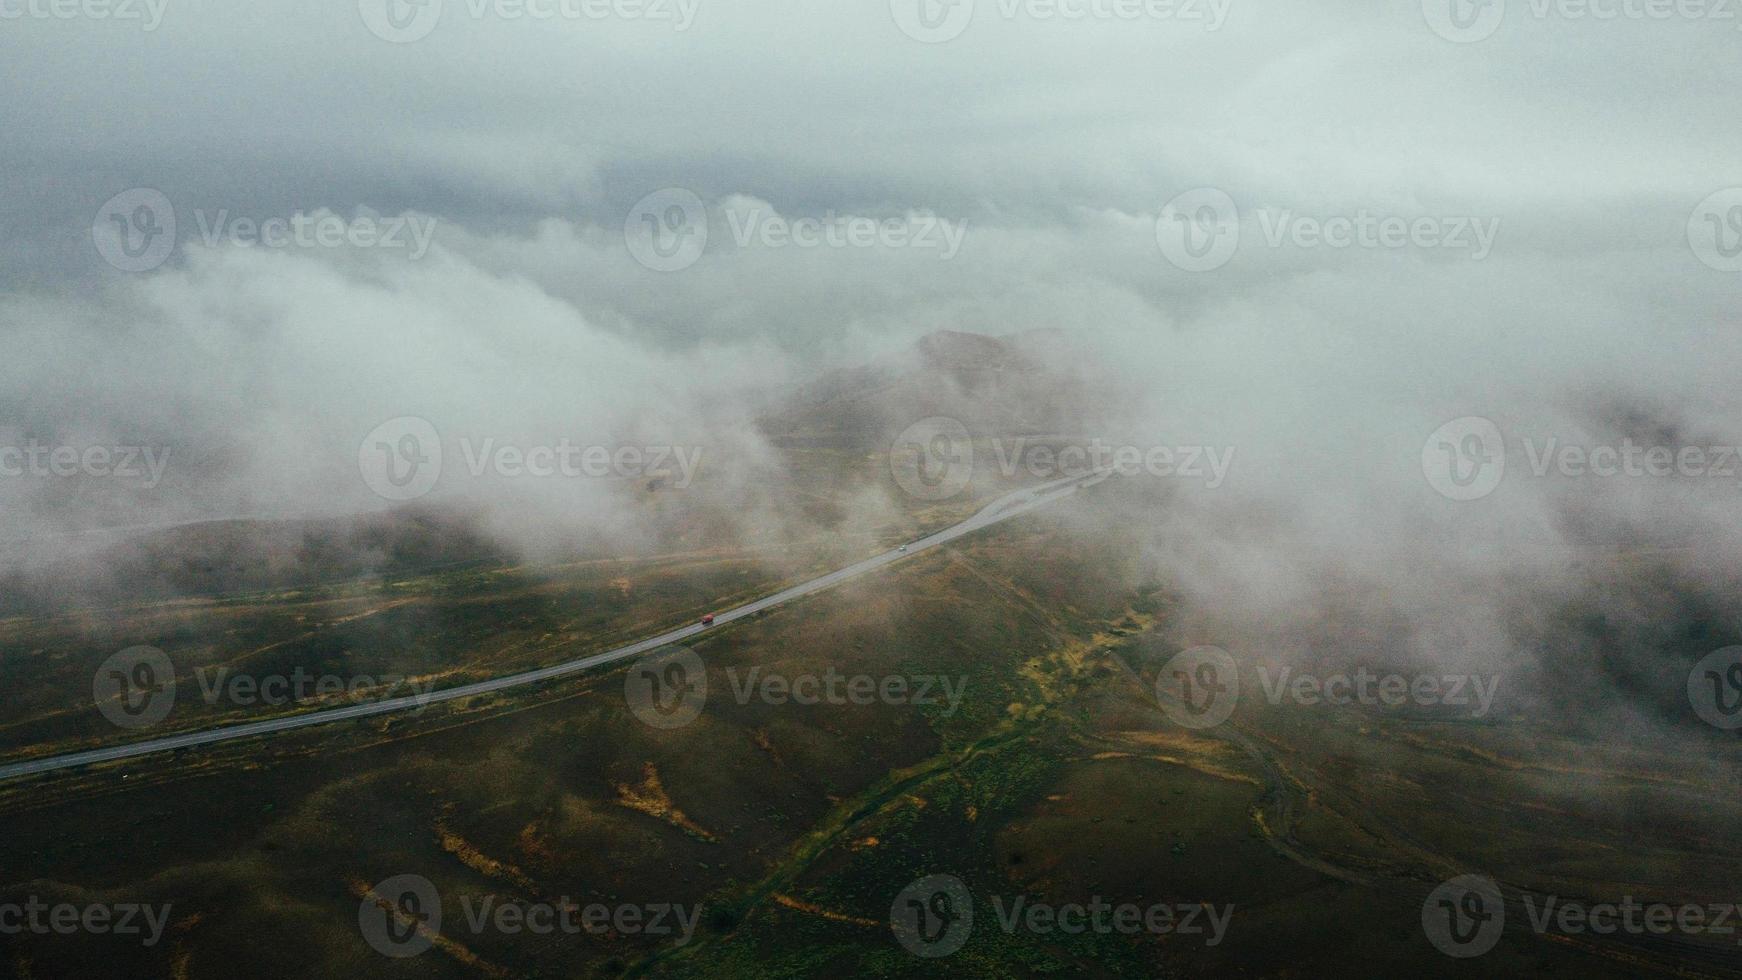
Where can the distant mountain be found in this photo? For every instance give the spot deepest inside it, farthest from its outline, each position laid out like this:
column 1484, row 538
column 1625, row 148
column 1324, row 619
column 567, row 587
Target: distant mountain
column 1034, row 384
column 1039, row 382
column 216, row 557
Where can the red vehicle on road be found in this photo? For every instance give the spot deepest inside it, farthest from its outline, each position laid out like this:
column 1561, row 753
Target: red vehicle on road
column 708, row 620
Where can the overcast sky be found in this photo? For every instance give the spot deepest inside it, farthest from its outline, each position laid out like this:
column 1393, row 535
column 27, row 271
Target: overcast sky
column 1540, row 179
column 1586, row 135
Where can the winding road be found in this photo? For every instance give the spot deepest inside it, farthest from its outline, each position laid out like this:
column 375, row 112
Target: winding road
column 1010, row 505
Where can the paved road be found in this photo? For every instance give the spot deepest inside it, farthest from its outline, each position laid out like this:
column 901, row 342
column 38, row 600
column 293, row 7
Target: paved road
column 1004, row 508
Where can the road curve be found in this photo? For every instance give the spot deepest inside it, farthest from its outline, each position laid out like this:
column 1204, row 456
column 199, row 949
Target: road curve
column 1010, row 505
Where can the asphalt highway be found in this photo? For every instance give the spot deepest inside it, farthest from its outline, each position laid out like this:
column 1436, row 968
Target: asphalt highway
column 1004, row 508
